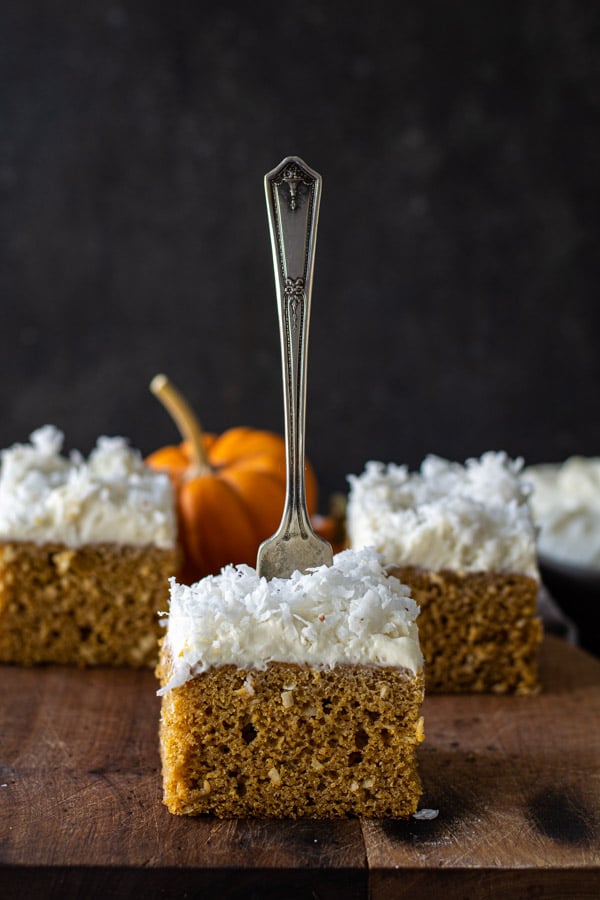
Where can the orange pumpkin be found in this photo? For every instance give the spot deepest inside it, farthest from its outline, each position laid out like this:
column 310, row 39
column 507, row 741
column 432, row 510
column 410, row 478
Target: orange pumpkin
column 230, row 489
column 332, row 526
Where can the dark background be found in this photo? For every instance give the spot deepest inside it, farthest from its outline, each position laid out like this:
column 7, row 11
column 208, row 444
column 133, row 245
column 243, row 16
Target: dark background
column 455, row 297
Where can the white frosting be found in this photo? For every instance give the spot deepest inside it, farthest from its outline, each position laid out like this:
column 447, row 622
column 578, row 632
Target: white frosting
column 347, row 613
column 566, row 507
column 113, row 496
column 471, row 517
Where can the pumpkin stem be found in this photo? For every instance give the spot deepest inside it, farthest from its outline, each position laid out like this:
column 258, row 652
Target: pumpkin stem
column 184, row 417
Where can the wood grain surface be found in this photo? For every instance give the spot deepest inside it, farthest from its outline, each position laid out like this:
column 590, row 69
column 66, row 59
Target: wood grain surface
column 516, row 781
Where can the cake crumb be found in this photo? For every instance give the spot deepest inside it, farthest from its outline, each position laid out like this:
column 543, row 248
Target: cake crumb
column 426, row 815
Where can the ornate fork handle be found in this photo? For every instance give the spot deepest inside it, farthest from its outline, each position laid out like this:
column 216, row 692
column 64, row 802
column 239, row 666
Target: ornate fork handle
column 293, row 193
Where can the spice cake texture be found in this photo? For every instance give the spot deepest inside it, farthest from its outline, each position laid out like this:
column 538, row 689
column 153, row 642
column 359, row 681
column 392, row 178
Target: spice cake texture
column 86, row 551
column 463, row 539
column 293, row 697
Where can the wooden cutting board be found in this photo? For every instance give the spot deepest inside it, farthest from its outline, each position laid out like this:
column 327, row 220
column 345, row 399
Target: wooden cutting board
column 516, row 781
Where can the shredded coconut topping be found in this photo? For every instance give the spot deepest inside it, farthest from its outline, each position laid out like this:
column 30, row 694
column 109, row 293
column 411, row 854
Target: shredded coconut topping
column 349, row 613
column 566, row 507
column 113, row 496
column 471, row 517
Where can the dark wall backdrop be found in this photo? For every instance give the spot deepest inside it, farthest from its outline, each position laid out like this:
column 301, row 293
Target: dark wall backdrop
column 455, row 304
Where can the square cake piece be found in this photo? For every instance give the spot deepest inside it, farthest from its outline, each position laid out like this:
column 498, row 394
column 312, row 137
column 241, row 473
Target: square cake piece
column 293, row 697
column 463, row 539
column 86, row 552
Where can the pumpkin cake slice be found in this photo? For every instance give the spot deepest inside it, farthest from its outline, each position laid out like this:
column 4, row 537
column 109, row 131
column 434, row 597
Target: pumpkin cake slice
column 463, row 539
column 86, row 551
column 292, row 697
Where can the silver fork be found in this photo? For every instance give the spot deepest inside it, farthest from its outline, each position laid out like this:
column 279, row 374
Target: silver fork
column 293, row 194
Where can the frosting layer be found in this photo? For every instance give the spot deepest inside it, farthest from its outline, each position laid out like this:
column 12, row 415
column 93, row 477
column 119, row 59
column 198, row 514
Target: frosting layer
column 347, row 613
column 566, row 507
column 111, row 497
column 471, row 517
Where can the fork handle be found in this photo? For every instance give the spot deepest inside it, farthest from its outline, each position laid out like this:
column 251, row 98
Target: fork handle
column 293, row 194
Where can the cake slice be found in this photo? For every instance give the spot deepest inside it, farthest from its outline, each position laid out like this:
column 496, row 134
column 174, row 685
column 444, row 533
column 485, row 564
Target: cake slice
column 565, row 503
column 86, row 551
column 462, row 537
column 292, row 697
